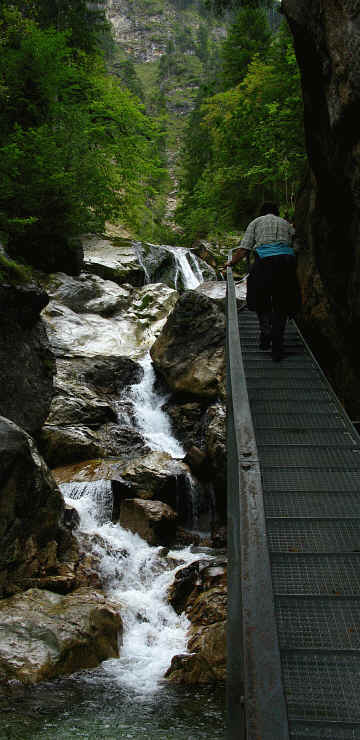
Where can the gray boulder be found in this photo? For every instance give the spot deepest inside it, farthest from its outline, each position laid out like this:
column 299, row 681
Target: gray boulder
column 114, row 260
column 82, row 423
column 154, row 521
column 88, row 293
column 45, row 635
column 190, row 351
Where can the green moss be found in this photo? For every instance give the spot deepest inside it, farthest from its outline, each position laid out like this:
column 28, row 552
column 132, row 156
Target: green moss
column 12, row 272
column 146, row 301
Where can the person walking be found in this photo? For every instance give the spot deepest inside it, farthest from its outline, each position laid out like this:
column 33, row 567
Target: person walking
column 272, row 285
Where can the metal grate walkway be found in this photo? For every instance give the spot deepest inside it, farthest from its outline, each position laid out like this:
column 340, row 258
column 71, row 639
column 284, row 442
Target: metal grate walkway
column 309, row 456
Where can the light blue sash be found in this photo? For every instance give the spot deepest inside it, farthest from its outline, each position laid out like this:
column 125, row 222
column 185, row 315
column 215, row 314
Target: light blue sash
column 270, row 250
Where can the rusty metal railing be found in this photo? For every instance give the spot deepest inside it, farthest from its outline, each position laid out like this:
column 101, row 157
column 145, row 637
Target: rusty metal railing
column 256, row 708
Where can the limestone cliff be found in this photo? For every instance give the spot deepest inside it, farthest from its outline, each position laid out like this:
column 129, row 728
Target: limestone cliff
column 327, row 43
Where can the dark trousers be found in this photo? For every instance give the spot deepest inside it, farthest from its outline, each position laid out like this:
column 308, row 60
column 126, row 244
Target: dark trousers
column 273, row 292
column 272, row 326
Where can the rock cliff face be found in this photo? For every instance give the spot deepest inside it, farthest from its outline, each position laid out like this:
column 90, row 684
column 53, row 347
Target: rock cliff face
column 27, row 365
column 327, row 43
column 132, row 26
column 34, row 540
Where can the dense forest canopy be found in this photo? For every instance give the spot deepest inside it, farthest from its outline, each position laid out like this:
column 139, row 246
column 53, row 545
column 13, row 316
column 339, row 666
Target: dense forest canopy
column 245, row 139
column 76, row 147
column 82, row 143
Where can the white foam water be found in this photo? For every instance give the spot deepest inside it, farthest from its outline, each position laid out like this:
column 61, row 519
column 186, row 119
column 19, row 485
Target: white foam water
column 191, row 278
column 137, row 576
column 151, row 420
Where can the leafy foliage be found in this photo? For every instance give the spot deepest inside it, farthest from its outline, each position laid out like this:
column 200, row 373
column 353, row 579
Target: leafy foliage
column 249, row 144
column 248, row 35
column 76, row 148
column 83, row 20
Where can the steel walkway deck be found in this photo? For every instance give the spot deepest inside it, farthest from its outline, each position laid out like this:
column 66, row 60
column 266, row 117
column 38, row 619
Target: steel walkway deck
column 309, row 456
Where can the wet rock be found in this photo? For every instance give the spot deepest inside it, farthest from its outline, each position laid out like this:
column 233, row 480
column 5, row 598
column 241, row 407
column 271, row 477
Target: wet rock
column 69, row 444
column 200, row 591
column 71, row 517
column 187, row 418
column 81, row 424
column 45, row 635
column 61, row 445
column 197, row 461
column 189, row 353
column 70, row 410
column 186, row 579
column 113, row 260
column 215, row 448
column 27, row 365
column 33, row 538
column 190, row 669
column 92, row 377
column 108, row 375
column 154, row 476
column 128, row 332
column 154, row 521
column 88, row 293
column 91, row 470
column 201, row 429
column 217, row 290
column 219, row 537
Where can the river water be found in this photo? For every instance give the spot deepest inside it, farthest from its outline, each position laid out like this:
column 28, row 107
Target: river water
column 92, row 705
column 126, row 697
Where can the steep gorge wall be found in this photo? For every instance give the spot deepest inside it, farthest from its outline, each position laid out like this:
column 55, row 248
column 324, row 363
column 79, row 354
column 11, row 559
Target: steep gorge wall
column 327, row 43
column 34, row 540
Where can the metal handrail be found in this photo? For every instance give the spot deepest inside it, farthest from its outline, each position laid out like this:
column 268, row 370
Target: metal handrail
column 256, row 707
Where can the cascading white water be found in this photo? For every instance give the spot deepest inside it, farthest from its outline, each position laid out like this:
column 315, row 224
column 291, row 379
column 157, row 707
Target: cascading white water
column 151, row 420
column 194, row 262
column 189, row 278
column 137, row 576
column 188, row 274
column 142, row 262
column 98, row 492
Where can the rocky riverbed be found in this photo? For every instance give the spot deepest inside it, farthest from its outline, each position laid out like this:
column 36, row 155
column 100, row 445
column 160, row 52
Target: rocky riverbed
column 103, row 432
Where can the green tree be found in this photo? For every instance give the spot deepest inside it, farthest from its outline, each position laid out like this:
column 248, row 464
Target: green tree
column 84, row 21
column 248, row 35
column 254, row 145
column 75, row 148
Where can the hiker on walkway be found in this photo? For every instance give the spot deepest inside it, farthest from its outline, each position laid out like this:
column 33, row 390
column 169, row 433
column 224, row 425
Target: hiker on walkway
column 272, row 286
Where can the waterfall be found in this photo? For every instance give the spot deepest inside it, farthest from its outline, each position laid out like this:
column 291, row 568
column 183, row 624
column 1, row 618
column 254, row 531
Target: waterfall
column 142, row 261
column 98, row 492
column 200, row 506
column 184, row 273
column 191, row 278
column 137, row 576
column 155, row 426
column 150, row 418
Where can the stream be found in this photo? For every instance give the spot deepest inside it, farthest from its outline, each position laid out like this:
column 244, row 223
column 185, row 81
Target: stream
column 127, row 697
